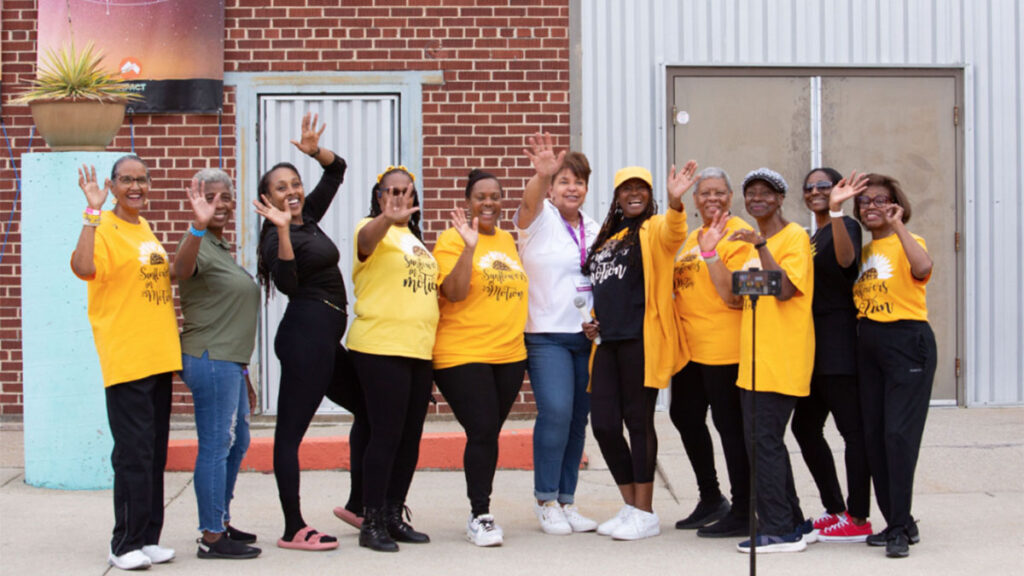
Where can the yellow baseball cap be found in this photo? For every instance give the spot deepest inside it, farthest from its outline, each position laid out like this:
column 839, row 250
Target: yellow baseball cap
column 633, row 172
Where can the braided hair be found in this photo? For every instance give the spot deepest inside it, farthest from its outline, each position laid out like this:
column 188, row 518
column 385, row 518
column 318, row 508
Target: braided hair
column 611, row 223
column 263, row 189
column 375, row 209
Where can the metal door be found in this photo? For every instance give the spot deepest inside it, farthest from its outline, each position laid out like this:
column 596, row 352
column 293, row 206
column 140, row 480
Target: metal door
column 362, row 129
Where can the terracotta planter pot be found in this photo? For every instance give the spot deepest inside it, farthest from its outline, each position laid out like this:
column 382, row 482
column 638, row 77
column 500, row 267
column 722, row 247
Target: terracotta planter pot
column 77, row 124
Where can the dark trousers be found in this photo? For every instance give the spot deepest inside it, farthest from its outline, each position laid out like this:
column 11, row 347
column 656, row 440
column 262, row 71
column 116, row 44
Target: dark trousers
column 839, row 395
column 307, row 342
column 345, row 391
column 694, row 389
column 617, row 396
column 139, row 413
column 778, row 508
column 481, row 396
column 397, row 390
column 896, row 365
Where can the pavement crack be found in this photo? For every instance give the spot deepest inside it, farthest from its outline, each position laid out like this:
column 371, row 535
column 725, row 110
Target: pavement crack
column 12, row 479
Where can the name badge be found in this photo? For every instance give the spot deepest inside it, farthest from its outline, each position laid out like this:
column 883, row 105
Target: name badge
column 582, row 284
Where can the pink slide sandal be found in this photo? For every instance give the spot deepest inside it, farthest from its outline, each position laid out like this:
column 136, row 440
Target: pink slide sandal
column 307, row 539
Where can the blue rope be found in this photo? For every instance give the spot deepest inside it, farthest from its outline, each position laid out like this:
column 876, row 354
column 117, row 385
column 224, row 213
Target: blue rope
column 17, row 182
column 220, row 137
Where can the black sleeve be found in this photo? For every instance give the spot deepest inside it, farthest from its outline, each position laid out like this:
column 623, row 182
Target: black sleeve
column 283, row 272
column 320, row 199
column 853, row 229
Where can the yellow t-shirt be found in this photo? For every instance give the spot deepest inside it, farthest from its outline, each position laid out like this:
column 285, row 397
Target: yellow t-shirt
column 396, row 297
column 886, row 290
column 487, row 326
column 131, row 306
column 711, row 328
column 785, row 330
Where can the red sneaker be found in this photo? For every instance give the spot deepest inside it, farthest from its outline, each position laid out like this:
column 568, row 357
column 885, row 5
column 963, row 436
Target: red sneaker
column 826, row 520
column 845, row 531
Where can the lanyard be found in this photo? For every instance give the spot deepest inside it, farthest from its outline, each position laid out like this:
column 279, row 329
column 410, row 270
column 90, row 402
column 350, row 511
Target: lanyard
column 581, row 242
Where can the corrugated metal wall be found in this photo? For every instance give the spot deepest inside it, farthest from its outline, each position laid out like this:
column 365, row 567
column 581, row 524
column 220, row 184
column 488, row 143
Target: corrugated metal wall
column 625, row 45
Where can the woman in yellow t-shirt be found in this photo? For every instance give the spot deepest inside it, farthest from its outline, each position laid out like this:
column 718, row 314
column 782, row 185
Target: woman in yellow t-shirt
column 785, row 354
column 896, row 354
column 637, row 344
column 479, row 355
column 391, row 342
column 131, row 309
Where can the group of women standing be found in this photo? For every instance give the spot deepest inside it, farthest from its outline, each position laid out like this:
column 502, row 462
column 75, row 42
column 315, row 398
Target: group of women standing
column 602, row 318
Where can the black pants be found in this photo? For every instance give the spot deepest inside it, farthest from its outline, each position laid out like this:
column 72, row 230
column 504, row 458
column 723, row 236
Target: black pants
column 695, row 388
column 481, row 396
column 778, row 508
column 307, row 342
column 139, row 413
column 345, row 391
column 839, row 395
column 397, row 390
column 617, row 396
column 896, row 365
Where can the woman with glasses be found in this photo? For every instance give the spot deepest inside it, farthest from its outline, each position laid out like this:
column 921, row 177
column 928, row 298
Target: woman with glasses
column 837, row 245
column 131, row 310
column 896, row 353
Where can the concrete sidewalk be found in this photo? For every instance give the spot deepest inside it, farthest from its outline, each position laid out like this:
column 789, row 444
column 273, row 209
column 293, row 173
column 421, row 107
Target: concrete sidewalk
column 969, row 498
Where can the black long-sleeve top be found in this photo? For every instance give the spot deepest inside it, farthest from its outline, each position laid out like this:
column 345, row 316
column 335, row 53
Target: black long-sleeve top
column 314, row 273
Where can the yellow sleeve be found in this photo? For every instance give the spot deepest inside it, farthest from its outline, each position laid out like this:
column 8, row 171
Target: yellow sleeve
column 447, row 251
column 796, row 261
column 673, row 229
column 735, row 254
column 924, row 281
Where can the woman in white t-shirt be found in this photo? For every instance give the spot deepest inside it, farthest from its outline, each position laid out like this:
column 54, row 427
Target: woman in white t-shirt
column 553, row 238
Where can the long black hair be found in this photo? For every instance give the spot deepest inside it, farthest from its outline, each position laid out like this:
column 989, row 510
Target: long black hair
column 263, row 189
column 611, row 224
column 375, row 210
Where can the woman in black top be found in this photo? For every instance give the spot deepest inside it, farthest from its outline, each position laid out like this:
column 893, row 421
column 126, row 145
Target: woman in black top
column 302, row 262
column 837, row 244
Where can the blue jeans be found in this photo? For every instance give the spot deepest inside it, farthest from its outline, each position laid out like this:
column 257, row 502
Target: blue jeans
column 221, row 402
column 558, row 367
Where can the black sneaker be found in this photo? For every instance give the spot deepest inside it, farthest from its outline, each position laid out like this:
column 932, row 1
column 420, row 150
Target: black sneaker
column 898, row 545
column 882, row 538
column 226, row 548
column 728, row 527
column 705, row 513
column 238, row 535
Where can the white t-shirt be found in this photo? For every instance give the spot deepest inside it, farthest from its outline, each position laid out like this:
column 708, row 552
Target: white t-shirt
column 551, row 258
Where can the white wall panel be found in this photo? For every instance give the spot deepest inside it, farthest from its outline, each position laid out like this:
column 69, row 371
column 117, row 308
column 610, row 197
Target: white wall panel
column 626, row 44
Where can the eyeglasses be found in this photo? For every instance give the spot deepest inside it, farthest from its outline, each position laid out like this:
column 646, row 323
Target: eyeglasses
column 712, row 194
column 879, row 201
column 142, row 181
column 824, row 186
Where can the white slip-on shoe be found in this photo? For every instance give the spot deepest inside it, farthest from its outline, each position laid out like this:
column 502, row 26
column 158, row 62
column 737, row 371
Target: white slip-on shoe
column 134, row 560
column 577, row 521
column 607, row 527
column 552, row 519
column 637, row 526
column 158, row 554
column 483, row 531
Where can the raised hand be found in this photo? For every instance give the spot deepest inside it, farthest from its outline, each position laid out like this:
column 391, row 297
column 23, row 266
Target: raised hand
column 276, row 216
column 708, row 239
column 746, row 235
column 202, row 209
column 894, row 215
column 847, row 188
column 309, row 142
column 396, row 206
column 470, row 233
column 94, row 195
column 680, row 182
column 542, row 154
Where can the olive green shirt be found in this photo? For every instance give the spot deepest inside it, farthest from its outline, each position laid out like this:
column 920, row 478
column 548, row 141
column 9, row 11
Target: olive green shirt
column 220, row 303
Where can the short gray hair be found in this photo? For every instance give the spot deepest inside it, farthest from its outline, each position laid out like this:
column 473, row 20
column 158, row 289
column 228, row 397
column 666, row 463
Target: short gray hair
column 215, row 175
column 713, row 172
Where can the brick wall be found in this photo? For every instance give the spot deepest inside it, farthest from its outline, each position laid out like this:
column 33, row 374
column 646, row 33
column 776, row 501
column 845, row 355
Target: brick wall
column 506, row 75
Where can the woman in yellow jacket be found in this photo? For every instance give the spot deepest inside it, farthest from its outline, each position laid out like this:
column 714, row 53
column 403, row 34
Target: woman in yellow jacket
column 637, row 344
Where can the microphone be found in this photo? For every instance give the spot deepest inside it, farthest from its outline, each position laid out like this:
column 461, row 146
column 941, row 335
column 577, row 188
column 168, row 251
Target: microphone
column 581, row 303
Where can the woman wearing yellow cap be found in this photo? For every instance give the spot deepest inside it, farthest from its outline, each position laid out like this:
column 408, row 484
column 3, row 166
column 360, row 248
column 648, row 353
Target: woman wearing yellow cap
column 637, row 345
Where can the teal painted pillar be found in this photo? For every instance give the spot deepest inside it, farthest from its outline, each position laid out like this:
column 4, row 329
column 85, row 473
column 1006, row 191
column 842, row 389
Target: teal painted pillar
column 67, row 439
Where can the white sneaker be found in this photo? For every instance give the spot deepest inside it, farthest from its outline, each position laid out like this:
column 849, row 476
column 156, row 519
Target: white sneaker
column 552, row 519
column 482, row 531
column 578, row 522
column 134, row 560
column 606, row 528
column 637, row 526
column 158, row 554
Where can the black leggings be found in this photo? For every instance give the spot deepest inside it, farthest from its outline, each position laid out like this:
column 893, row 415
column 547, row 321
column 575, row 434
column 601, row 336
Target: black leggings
column 695, row 388
column 345, row 391
column 839, row 395
column 481, row 396
column 618, row 395
column 896, row 366
column 397, row 390
column 307, row 343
